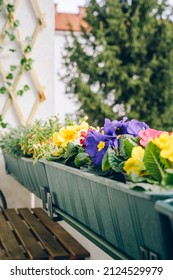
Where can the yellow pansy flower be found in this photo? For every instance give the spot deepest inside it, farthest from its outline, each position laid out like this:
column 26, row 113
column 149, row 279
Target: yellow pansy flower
column 135, row 163
column 64, row 136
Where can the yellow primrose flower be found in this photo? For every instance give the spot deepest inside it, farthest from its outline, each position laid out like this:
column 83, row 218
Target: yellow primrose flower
column 78, row 127
column 167, row 150
column 135, row 163
column 165, row 143
column 64, row 136
column 162, row 140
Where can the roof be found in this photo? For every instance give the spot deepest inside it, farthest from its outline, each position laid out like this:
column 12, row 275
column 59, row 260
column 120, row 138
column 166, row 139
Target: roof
column 67, row 22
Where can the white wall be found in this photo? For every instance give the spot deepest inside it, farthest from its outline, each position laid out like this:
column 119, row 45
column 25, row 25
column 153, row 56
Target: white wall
column 63, row 104
column 42, row 54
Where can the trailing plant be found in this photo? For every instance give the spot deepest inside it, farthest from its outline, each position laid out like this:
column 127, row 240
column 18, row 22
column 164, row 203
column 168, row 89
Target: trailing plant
column 34, row 141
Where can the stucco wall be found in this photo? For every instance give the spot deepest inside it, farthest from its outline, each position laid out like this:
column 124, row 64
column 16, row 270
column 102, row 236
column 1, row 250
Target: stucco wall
column 42, row 54
column 63, row 104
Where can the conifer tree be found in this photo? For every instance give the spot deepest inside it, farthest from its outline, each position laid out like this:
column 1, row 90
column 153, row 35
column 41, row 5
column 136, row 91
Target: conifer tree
column 123, row 63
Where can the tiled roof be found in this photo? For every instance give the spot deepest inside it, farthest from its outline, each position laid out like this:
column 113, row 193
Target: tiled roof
column 66, row 22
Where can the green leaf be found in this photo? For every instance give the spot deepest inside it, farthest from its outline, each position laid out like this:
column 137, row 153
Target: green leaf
column 10, row 35
column 10, row 8
column 3, row 90
column 71, row 150
column 9, row 84
column 16, row 23
column 13, row 67
column 136, row 178
column 20, row 92
column 152, row 161
column 126, row 144
column 27, row 49
column 138, row 188
column 23, row 60
column 81, row 159
column 26, row 88
column 105, row 162
column 129, row 144
column 169, row 177
column 4, row 125
column 27, row 67
column 9, row 76
column 114, row 160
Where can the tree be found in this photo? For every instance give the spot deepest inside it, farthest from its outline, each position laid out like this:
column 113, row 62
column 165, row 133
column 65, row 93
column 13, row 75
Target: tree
column 122, row 64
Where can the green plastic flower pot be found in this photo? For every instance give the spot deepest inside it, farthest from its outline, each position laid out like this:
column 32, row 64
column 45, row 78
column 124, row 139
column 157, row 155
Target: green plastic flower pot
column 31, row 176
column 125, row 218
column 34, row 176
column 14, row 167
column 165, row 207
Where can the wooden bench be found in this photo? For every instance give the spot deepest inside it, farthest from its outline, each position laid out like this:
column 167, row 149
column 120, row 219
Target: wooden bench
column 31, row 234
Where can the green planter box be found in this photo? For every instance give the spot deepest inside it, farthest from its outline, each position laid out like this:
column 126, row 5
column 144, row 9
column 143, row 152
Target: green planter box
column 13, row 167
column 165, row 207
column 125, row 218
column 34, row 176
column 31, row 176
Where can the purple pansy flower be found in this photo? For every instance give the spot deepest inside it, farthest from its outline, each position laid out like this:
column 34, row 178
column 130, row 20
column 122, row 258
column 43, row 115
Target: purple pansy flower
column 133, row 127
column 109, row 131
column 119, row 126
column 96, row 145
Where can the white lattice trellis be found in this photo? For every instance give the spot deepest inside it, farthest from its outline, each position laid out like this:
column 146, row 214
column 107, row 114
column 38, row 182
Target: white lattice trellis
column 11, row 99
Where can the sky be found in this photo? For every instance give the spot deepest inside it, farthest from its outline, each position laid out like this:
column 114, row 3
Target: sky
column 71, row 6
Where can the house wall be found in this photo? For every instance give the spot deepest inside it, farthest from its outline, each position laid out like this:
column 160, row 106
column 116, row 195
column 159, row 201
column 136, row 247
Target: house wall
column 63, row 104
column 42, row 53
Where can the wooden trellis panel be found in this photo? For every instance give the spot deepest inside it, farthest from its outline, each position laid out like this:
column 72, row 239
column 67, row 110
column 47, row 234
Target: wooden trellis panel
column 12, row 100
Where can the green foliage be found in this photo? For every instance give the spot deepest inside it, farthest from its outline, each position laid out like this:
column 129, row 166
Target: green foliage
column 10, row 8
column 122, row 65
column 10, row 35
column 27, row 49
column 27, row 63
column 81, row 159
column 33, row 141
column 111, row 161
column 2, row 124
column 3, row 90
column 169, row 177
column 152, row 161
column 21, row 91
column 10, row 143
column 126, row 144
column 13, row 67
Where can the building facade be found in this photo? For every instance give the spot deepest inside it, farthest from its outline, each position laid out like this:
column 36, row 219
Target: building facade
column 64, row 22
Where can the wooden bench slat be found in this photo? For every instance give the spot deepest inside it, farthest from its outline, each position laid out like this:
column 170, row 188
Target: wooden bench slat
column 9, row 241
column 28, row 241
column 70, row 243
column 45, row 237
column 2, row 255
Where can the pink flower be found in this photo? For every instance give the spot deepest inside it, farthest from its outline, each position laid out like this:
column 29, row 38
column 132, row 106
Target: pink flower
column 148, row 134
